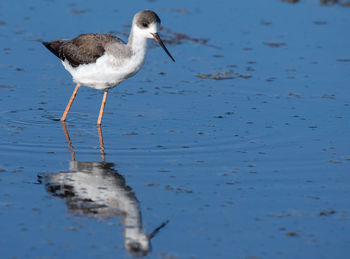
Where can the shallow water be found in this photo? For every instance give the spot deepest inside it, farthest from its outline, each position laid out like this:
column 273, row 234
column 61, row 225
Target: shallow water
column 255, row 165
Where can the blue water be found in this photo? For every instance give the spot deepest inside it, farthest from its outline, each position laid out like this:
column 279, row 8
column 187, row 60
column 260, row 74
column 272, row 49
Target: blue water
column 256, row 166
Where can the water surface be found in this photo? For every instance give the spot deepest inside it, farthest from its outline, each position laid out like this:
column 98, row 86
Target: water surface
column 240, row 149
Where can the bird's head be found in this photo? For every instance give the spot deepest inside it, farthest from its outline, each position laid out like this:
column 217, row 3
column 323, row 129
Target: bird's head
column 147, row 23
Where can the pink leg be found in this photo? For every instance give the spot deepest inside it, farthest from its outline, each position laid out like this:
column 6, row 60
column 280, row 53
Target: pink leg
column 63, row 118
column 102, row 107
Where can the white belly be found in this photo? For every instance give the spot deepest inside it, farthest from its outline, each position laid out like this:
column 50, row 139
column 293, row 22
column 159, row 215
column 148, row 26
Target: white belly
column 106, row 73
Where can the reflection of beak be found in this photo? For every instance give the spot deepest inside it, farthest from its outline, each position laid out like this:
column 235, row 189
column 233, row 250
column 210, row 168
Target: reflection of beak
column 161, row 225
column 160, row 42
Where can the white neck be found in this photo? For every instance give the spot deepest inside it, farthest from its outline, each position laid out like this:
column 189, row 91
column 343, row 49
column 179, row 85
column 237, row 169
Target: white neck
column 137, row 41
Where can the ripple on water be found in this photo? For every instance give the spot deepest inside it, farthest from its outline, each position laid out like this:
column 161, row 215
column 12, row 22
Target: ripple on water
column 41, row 117
column 44, row 133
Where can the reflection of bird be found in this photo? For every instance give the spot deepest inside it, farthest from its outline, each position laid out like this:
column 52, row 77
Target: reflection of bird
column 97, row 189
column 102, row 61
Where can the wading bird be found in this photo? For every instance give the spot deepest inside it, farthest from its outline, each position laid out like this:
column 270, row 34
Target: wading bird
column 102, row 61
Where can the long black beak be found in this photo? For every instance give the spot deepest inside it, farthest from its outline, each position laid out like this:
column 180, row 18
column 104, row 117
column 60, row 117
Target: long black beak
column 160, row 42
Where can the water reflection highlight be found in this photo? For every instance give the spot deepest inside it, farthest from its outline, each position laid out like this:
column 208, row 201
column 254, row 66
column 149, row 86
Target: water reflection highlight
column 97, row 189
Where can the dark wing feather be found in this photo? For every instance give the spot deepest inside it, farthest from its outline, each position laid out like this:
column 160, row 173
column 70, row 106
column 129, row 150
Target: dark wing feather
column 84, row 49
column 54, row 46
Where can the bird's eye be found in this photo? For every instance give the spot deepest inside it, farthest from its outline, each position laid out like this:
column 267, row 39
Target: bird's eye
column 144, row 24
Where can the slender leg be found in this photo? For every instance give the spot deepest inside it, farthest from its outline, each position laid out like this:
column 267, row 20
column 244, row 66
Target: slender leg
column 63, row 118
column 102, row 107
column 102, row 148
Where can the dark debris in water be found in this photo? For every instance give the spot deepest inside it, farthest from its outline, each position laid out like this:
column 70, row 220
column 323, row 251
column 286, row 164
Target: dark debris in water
column 177, row 189
column 52, row 117
column 177, row 38
column 327, row 212
column 7, row 86
column 280, row 215
column 265, row 22
column 343, row 59
column 216, row 76
column 17, row 170
column 335, row 161
column 245, row 76
column 274, row 44
column 324, row 2
column 332, row 2
column 292, row 234
column 223, row 75
column 79, row 11
column 290, row 1
column 320, row 22
column 270, row 79
column 130, row 133
column 329, row 96
column 218, row 56
column 294, row 95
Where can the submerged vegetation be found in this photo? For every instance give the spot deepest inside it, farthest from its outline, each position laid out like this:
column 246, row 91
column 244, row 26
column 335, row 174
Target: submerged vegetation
column 324, row 2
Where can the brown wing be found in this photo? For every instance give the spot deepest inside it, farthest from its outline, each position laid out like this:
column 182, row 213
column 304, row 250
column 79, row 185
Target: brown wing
column 84, row 49
column 54, row 46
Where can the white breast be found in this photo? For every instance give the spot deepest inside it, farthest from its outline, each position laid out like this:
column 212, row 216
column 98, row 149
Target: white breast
column 107, row 72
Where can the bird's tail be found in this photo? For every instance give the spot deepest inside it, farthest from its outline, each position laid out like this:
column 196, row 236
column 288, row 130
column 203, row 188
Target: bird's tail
column 54, row 46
